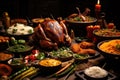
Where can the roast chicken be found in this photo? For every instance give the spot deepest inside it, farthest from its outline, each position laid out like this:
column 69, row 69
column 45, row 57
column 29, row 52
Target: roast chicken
column 50, row 34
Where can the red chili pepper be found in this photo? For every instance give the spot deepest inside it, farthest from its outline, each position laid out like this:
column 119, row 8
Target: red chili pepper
column 27, row 57
column 32, row 57
column 35, row 51
column 26, row 61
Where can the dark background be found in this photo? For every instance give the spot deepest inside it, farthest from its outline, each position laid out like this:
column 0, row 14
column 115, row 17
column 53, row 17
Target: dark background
column 58, row 8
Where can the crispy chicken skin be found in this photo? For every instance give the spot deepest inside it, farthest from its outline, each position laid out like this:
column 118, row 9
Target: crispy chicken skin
column 51, row 34
column 82, row 48
column 85, row 45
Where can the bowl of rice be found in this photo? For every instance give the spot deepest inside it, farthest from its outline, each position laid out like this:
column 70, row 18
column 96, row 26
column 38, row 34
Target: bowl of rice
column 95, row 73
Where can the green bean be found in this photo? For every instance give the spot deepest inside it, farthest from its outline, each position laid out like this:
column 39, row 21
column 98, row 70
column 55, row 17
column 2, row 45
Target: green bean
column 20, row 71
column 21, row 41
column 24, row 73
column 29, row 74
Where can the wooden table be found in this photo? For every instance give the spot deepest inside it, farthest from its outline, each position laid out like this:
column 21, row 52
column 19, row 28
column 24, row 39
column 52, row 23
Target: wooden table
column 91, row 62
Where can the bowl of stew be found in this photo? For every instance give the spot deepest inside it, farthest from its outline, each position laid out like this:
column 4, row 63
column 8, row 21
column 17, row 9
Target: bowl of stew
column 78, row 25
column 5, row 56
column 77, row 19
column 106, row 34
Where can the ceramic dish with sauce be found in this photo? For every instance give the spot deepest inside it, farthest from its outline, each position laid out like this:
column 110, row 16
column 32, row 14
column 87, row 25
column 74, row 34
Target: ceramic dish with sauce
column 49, row 65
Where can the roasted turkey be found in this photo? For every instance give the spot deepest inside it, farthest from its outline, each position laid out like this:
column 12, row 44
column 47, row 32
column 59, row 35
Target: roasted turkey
column 50, row 34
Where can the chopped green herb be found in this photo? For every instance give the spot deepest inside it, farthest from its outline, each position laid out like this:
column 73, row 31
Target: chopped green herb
column 14, row 31
column 22, row 29
column 30, row 31
column 118, row 46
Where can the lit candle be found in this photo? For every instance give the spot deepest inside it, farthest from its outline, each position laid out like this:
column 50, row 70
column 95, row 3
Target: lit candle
column 98, row 6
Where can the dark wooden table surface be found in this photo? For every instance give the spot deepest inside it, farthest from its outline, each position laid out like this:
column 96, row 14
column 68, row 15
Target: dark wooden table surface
column 99, row 61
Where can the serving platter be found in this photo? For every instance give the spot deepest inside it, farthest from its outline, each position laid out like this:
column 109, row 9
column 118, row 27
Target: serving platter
column 97, row 54
column 81, row 75
column 93, row 20
column 63, row 54
column 20, row 50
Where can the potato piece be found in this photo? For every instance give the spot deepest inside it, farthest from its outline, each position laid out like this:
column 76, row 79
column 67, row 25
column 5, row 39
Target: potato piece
column 75, row 47
column 87, row 51
column 85, row 45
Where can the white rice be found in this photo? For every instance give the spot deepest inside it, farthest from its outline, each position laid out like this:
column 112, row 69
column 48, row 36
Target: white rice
column 21, row 29
column 95, row 72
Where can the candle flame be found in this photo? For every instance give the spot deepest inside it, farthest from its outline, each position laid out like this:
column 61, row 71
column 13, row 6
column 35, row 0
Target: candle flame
column 98, row 2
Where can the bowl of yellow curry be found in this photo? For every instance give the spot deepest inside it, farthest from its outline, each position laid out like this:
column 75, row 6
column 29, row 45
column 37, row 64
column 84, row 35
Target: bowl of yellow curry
column 110, row 48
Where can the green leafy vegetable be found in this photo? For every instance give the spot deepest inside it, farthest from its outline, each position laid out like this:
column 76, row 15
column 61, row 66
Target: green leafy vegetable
column 14, row 31
column 81, row 56
column 41, row 56
column 19, row 48
column 118, row 46
column 21, row 41
column 30, row 31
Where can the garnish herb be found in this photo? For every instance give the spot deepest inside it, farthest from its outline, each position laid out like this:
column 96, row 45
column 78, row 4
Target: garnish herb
column 14, row 31
column 118, row 46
